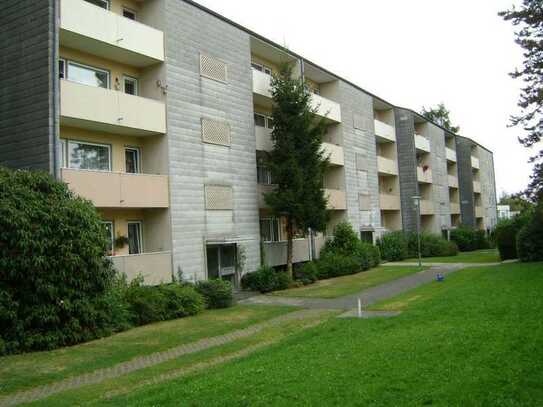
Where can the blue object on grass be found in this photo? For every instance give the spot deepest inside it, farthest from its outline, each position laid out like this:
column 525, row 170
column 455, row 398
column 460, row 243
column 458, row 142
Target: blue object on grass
column 440, row 277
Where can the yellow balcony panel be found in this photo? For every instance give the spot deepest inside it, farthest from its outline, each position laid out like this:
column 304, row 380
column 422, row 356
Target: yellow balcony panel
column 450, row 154
column 476, row 187
column 155, row 268
column 336, row 199
column 107, row 110
column 426, row 207
column 453, row 181
column 335, row 153
column 424, row 176
column 384, row 131
column 386, row 166
column 455, row 208
column 119, row 190
column 88, row 28
column 389, row 202
column 326, row 108
column 478, row 211
column 475, row 163
column 422, row 143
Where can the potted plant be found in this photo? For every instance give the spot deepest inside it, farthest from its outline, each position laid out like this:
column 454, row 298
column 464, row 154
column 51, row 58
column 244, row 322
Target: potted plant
column 121, row 241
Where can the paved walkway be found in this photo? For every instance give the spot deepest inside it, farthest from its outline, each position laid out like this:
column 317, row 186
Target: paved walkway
column 369, row 296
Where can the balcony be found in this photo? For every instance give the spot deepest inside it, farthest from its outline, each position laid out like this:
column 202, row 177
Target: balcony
column 424, row 176
column 450, row 154
column 384, row 131
column 455, row 208
column 88, row 28
column 336, row 199
column 276, row 252
column 389, row 202
column 386, row 166
column 426, row 207
column 262, row 90
column 155, row 268
column 476, row 187
column 422, row 143
column 263, row 139
column 107, row 110
column 119, row 190
column 475, row 163
column 479, row 212
column 335, row 153
column 453, row 181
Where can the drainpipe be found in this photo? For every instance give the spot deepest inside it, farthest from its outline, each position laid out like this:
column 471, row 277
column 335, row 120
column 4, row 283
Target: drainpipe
column 55, row 83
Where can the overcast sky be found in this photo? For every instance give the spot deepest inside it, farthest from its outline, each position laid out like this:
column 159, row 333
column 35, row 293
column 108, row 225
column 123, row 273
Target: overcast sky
column 411, row 53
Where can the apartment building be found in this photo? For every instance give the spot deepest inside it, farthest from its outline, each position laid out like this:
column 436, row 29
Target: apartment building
column 159, row 112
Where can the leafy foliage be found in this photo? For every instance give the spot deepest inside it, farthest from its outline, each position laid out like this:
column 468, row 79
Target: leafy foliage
column 335, row 265
column 297, row 163
column 469, row 239
column 516, row 202
column 54, row 277
column 506, row 235
column 530, row 237
column 306, row 273
column 266, row 279
column 217, row 293
column 440, row 115
column 393, row 246
column 431, row 245
column 528, row 19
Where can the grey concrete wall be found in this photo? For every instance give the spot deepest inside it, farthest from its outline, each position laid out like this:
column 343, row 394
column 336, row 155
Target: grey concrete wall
column 359, row 139
column 407, row 163
column 28, row 79
column 193, row 164
column 488, row 187
column 465, row 180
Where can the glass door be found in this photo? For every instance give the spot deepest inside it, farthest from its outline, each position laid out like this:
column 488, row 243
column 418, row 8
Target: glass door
column 135, row 243
column 213, row 262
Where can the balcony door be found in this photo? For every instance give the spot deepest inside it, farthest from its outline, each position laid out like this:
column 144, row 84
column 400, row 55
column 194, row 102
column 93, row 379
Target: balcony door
column 132, row 160
column 135, row 237
column 221, row 261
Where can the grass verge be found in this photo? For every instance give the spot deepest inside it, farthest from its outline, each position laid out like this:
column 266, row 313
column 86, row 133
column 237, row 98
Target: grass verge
column 478, row 256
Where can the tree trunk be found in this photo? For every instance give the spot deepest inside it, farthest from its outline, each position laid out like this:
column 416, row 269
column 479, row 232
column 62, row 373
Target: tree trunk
column 289, row 247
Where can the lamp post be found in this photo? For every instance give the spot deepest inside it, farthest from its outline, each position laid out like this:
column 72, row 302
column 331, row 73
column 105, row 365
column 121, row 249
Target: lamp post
column 416, row 203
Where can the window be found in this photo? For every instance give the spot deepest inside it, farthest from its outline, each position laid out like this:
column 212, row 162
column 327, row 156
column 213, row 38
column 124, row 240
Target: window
column 261, row 68
column 135, row 243
column 61, row 68
column 109, row 235
column 366, row 236
column 260, row 120
column 269, row 122
column 263, row 173
column 132, row 160
column 131, row 14
column 89, row 156
column 269, row 229
column 63, row 162
column 130, row 85
column 100, row 3
column 87, row 75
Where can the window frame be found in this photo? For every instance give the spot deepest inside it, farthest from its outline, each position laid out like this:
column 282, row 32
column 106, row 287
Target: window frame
column 271, row 222
column 262, row 116
column 112, row 223
column 93, row 68
column 107, row 2
column 260, row 166
column 62, row 73
column 136, row 84
column 140, row 237
column 261, row 68
column 138, row 161
column 110, row 159
column 63, row 155
column 129, row 10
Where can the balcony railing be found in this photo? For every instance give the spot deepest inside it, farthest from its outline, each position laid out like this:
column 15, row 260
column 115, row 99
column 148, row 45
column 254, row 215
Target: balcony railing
column 155, row 268
column 475, row 162
column 453, row 181
column 387, row 166
column 426, row 207
column 476, row 187
column 336, row 199
column 384, row 131
column 455, row 208
column 424, row 176
column 108, row 110
column 389, row 202
column 451, row 154
column 94, row 30
column 422, row 143
column 276, row 252
column 119, row 190
column 325, row 107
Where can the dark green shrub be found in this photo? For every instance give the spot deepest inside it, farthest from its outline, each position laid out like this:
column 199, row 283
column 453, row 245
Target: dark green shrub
column 469, row 239
column 216, row 293
column 54, row 278
column 431, row 246
column 335, row 265
column 306, row 273
column 393, row 246
column 266, row 280
column 506, row 232
column 371, row 254
column 345, row 241
column 530, row 237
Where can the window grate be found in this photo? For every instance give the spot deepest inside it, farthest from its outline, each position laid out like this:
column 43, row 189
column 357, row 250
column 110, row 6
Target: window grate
column 212, row 68
column 218, row 197
column 215, row 132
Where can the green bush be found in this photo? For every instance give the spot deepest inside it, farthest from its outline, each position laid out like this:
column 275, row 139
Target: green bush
column 54, row 278
column 373, row 253
column 530, row 237
column 335, row 265
column 432, row 245
column 469, row 239
column 306, row 273
column 506, row 236
column 217, row 293
column 393, row 246
column 161, row 303
column 266, row 280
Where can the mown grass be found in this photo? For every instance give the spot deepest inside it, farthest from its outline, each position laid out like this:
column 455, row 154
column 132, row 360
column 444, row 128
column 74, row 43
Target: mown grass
column 352, row 284
column 475, row 339
column 478, row 256
column 19, row 372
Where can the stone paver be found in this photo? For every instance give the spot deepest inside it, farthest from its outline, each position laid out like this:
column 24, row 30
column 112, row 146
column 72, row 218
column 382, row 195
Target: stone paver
column 143, row 362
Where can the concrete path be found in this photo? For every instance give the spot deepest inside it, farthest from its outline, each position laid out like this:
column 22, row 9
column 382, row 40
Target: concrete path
column 369, row 296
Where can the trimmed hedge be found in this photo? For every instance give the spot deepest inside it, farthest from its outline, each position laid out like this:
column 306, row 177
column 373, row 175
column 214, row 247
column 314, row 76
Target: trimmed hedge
column 506, row 233
column 394, row 246
column 336, row 265
column 432, row 245
column 530, row 237
column 266, row 280
column 217, row 293
column 306, row 273
column 469, row 239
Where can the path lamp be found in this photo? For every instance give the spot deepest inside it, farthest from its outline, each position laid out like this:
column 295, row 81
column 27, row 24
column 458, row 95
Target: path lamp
column 416, row 203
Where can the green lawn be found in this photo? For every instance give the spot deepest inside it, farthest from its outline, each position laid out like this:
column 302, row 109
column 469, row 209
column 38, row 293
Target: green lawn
column 478, row 256
column 352, row 284
column 19, row 372
column 475, row 339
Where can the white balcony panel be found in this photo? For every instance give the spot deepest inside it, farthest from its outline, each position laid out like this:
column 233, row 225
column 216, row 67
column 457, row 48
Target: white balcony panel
column 276, row 252
column 477, row 187
column 108, row 110
column 384, row 131
column 424, row 176
column 155, row 268
column 336, row 199
column 389, row 202
column 387, row 166
column 451, row 154
column 326, row 108
column 263, row 139
column 119, row 190
column 422, row 143
column 88, row 28
column 475, row 162
column 335, row 153
column 453, row 181
column 426, row 207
